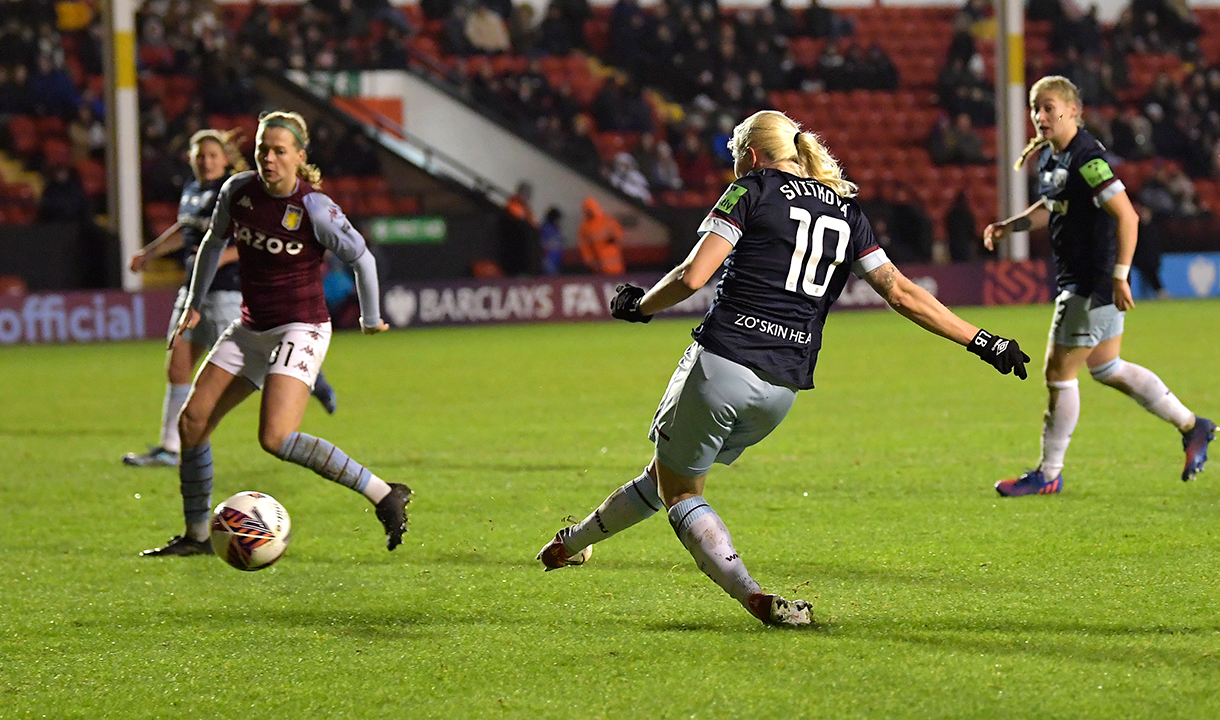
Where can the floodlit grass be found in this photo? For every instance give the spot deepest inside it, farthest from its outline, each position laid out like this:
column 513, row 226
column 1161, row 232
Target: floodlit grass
column 874, row 500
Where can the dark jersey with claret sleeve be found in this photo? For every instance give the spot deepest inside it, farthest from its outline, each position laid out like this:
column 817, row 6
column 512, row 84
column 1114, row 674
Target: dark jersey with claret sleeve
column 1074, row 186
column 793, row 242
column 280, row 244
column 195, row 216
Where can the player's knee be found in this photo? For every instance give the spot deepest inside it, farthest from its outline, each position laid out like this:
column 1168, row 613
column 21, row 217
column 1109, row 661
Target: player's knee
column 1107, row 373
column 272, row 441
column 192, row 425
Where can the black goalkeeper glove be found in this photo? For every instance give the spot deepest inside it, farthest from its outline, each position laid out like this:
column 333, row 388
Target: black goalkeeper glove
column 1003, row 354
column 626, row 305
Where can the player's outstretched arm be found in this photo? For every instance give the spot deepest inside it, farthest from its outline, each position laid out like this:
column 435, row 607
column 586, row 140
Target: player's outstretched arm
column 633, row 304
column 164, row 244
column 920, row 307
column 1035, row 217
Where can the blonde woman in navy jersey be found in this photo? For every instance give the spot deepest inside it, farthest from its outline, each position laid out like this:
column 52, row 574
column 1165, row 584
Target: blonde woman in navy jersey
column 214, row 157
column 786, row 232
column 1094, row 230
column 282, row 225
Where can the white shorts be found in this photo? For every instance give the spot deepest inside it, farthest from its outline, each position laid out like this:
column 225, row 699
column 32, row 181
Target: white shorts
column 295, row 349
column 713, row 410
column 1077, row 323
column 220, row 309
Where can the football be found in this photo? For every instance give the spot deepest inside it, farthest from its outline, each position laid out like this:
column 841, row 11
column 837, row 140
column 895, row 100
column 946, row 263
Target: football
column 250, row 530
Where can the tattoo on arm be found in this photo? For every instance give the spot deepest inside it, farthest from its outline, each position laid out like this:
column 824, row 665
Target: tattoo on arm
column 1021, row 224
column 884, row 279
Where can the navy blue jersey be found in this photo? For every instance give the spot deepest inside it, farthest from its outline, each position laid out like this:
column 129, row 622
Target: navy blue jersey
column 1074, row 185
column 195, row 216
column 793, row 242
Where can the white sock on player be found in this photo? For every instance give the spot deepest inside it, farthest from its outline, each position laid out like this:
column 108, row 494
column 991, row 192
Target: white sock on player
column 376, row 489
column 1058, row 424
column 637, row 500
column 175, row 398
column 1143, row 386
column 708, row 541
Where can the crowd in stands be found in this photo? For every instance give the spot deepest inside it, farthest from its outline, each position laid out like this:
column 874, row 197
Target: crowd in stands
column 672, row 78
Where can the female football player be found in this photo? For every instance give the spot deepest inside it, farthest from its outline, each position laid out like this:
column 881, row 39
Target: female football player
column 790, row 228
column 282, row 225
column 214, row 156
column 1093, row 235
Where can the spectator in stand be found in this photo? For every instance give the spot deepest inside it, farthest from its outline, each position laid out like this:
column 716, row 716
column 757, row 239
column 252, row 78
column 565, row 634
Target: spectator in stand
column 486, row 31
column 822, row 22
column 520, row 253
column 87, row 135
column 390, row 51
column 1038, row 10
column 17, row 43
column 962, row 230
column 881, row 73
column 576, row 13
column 628, row 30
column 1169, row 193
column 627, row 178
column 961, row 43
column 581, row 151
column 63, row 197
column 695, row 163
column 600, row 238
column 522, row 33
column 14, row 91
column 437, row 9
column 555, row 34
column 551, row 239
column 912, row 228
column 357, row 155
column 1132, row 135
column 830, row 67
column 453, row 31
column 957, row 143
column 665, row 173
column 1148, row 251
column 52, row 90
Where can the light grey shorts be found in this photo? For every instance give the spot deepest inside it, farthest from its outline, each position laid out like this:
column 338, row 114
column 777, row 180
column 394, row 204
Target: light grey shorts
column 1078, row 324
column 296, row 350
column 219, row 310
column 713, row 410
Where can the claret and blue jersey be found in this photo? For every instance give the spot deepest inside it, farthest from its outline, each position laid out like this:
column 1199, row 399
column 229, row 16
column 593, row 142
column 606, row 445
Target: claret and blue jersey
column 793, row 240
column 1075, row 185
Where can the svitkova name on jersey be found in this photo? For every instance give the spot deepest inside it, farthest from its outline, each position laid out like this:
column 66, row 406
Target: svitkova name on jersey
column 810, row 188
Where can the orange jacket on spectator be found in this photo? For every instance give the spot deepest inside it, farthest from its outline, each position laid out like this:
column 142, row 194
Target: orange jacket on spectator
column 601, row 238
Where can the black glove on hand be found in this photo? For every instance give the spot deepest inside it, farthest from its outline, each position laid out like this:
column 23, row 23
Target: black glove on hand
column 1004, row 354
column 626, row 305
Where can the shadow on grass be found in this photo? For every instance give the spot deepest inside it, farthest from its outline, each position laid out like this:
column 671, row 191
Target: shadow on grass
column 66, row 431
column 1064, row 639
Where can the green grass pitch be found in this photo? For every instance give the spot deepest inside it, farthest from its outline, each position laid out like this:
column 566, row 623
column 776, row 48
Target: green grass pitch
column 874, row 500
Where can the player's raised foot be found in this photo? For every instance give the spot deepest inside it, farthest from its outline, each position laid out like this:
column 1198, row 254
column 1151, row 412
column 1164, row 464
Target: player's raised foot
column 155, row 457
column 325, row 393
column 180, row 545
column 774, row 610
column 1195, row 444
column 1031, row 483
column 392, row 512
column 553, row 556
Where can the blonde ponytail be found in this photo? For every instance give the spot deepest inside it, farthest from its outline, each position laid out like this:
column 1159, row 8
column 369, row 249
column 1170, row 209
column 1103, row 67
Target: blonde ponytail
column 780, row 138
column 295, row 124
column 1067, row 92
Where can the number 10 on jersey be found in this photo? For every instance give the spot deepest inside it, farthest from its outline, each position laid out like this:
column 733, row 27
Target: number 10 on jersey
column 818, row 263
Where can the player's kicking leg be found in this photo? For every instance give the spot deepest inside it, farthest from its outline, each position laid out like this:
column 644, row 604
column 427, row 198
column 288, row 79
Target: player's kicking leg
column 283, row 406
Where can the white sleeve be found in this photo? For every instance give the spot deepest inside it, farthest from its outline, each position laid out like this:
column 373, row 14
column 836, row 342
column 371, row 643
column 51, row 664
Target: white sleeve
column 335, row 233
column 721, row 227
column 869, row 262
